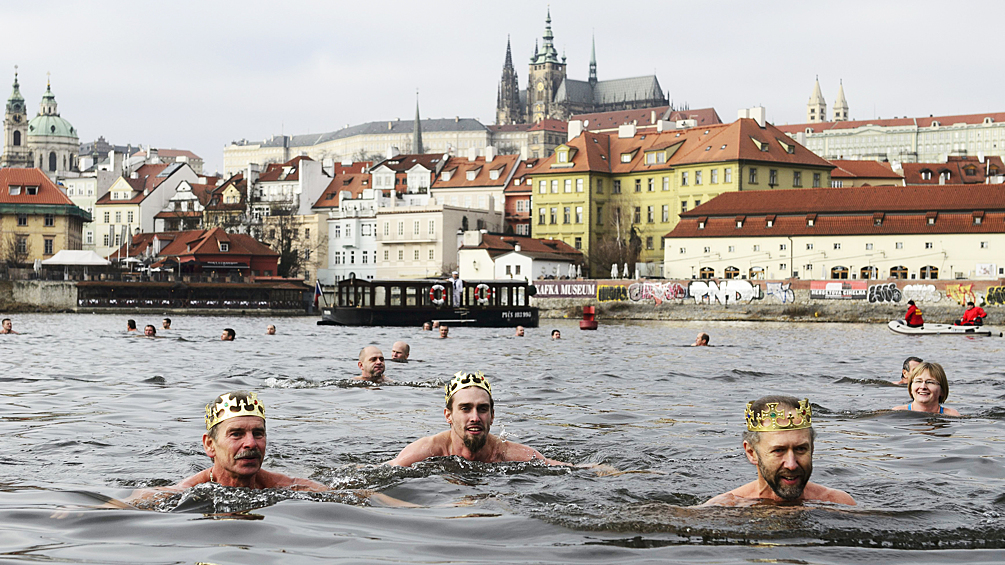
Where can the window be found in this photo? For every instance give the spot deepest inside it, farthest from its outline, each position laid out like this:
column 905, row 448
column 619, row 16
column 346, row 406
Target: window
column 517, row 271
column 337, row 230
column 540, row 216
column 579, row 214
column 48, row 246
column 899, row 245
column 772, row 177
column 637, row 216
column 650, row 214
column 568, row 185
column 697, row 203
column 567, row 215
column 928, row 245
column 600, row 215
column 666, row 213
column 600, row 186
column 984, row 245
column 578, row 243
column 797, row 178
column 617, row 187
column 683, row 178
column 554, row 186
column 415, row 227
column 731, row 273
column 118, row 217
column 554, row 216
column 14, row 190
column 638, row 185
column 401, row 254
column 386, row 252
column 89, row 239
column 727, row 175
column 50, row 220
column 868, row 273
column 431, row 253
column 683, row 206
column 928, row 272
column 757, row 248
column 783, row 247
column 105, row 240
column 809, row 246
column 837, row 246
column 22, row 244
column 652, row 184
column 868, row 247
column 649, row 242
column 752, row 175
column 563, row 156
column 706, row 273
column 22, row 219
column 308, row 256
column 731, row 249
column 401, row 228
column 522, row 229
column 431, row 228
column 839, row 272
column 816, row 180
column 707, row 249
column 579, row 185
column 542, row 187
column 626, row 157
column 386, row 228
column 697, row 178
column 31, row 190
column 898, row 272
column 713, row 176
column 783, row 266
column 650, row 158
column 224, row 247
column 666, row 183
column 415, row 255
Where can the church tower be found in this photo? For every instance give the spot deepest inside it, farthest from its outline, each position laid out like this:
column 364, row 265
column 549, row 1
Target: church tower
column 417, row 131
column 593, row 61
column 840, row 106
column 508, row 110
column 816, row 108
column 545, row 75
column 15, row 130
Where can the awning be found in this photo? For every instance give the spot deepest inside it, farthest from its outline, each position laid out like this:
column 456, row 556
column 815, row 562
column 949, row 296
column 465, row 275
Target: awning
column 81, row 258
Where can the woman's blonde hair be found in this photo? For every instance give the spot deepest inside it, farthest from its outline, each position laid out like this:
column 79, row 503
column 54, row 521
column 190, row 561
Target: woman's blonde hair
column 936, row 371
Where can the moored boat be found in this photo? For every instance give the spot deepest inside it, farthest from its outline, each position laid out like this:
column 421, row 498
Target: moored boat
column 494, row 303
column 901, row 327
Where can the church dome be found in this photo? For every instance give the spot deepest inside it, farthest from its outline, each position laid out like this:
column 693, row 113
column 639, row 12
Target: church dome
column 51, row 126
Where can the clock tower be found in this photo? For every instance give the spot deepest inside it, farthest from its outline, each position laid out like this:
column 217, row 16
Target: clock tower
column 544, row 77
column 15, row 131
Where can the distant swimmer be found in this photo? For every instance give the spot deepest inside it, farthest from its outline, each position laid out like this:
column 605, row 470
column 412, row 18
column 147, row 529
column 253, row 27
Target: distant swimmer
column 444, row 331
column 701, row 340
column 399, row 351
column 371, row 365
column 779, row 441
column 228, row 335
column 555, row 334
column 469, row 412
column 519, row 331
column 166, row 324
column 131, row 326
column 436, row 324
column 905, row 373
column 270, row 330
column 150, row 331
column 427, row 327
column 913, row 316
column 928, row 388
column 7, row 327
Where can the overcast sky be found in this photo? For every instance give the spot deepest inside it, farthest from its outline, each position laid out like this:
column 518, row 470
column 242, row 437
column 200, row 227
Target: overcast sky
column 197, row 75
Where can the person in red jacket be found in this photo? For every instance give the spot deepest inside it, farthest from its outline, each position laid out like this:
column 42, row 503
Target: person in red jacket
column 913, row 316
column 974, row 316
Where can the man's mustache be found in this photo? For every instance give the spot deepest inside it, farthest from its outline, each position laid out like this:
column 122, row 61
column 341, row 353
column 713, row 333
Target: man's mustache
column 249, row 454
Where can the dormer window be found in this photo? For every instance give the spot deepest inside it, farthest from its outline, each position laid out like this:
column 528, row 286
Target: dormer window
column 977, row 220
column 494, row 174
column 988, row 120
column 31, row 190
column 930, row 218
column 926, row 174
column 224, row 247
column 563, row 156
column 771, row 223
column 739, row 221
column 701, row 225
column 626, row 157
column 14, row 190
column 445, row 176
column 470, row 175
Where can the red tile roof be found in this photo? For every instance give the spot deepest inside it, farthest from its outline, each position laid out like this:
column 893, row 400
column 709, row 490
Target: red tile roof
column 288, row 171
column 919, row 122
column 353, row 178
column 957, row 167
column 847, row 169
column 520, row 184
column 499, row 244
column 216, row 195
column 458, row 167
column 171, row 153
column 146, row 180
column 195, row 242
column 402, row 163
column 643, row 117
column 550, row 125
column 48, row 193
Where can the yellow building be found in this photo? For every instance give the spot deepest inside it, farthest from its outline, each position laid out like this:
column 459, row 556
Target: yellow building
column 227, row 205
column 36, row 219
column 612, row 195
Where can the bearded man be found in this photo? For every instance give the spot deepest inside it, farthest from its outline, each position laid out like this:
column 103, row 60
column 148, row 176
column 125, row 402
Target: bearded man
column 779, row 442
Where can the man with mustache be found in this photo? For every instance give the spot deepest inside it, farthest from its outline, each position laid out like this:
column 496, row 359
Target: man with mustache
column 235, row 441
column 779, row 441
column 469, row 411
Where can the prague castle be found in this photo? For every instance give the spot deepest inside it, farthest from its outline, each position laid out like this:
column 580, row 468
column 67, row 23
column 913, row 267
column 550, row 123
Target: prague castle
column 47, row 141
column 550, row 94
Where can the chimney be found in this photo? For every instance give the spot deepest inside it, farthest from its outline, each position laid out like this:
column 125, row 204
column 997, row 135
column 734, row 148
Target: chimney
column 663, row 125
column 757, row 113
column 152, row 156
column 517, row 248
column 626, row 131
column 652, row 117
column 575, row 128
column 490, row 153
column 134, row 175
column 472, row 238
column 472, row 153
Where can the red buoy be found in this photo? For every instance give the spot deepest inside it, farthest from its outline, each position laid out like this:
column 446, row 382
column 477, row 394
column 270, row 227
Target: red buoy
column 587, row 323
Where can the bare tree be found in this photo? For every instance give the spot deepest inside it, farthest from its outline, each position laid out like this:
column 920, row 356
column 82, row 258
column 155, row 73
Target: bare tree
column 508, row 149
column 620, row 242
column 15, row 249
column 285, row 231
column 364, row 155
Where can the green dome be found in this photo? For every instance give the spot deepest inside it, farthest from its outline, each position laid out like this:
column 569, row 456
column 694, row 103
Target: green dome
column 51, row 126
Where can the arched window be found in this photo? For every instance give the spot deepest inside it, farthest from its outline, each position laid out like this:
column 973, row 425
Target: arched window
column 898, row 272
column 839, row 272
column 731, row 273
column 706, row 273
column 52, row 161
column 756, row 273
column 868, row 273
column 929, row 272
column 17, row 138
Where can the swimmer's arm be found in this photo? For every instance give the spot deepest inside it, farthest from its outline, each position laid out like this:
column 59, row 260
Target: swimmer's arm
column 520, row 452
column 414, row 452
column 838, row 496
column 724, row 499
column 903, row 407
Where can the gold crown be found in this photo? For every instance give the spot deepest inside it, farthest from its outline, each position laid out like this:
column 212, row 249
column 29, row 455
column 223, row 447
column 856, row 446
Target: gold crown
column 232, row 405
column 771, row 419
column 464, row 380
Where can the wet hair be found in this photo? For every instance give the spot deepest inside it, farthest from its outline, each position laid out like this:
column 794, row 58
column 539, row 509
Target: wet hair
column 784, row 402
column 936, row 371
column 230, row 332
column 555, row 331
column 131, row 324
column 907, row 362
column 704, row 338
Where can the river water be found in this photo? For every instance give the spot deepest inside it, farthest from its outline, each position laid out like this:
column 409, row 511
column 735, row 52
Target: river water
column 88, row 412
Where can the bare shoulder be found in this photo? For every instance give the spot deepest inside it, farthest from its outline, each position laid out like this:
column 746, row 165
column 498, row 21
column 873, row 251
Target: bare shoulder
column 512, row 451
column 421, row 449
column 814, row 491
column 279, row 480
column 739, row 496
column 196, row 479
column 903, row 407
column 951, row 411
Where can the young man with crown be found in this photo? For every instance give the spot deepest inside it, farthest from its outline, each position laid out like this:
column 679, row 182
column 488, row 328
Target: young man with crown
column 779, row 442
column 469, row 411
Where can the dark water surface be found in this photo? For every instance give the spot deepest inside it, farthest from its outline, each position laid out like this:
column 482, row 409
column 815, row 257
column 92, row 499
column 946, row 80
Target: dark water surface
column 87, row 412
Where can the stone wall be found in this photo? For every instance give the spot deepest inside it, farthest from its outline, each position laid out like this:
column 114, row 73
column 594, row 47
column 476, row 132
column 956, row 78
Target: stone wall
column 46, row 295
column 802, row 300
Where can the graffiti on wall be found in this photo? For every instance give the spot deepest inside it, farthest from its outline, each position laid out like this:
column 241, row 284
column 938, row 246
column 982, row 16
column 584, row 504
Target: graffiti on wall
column 724, row 292
column 611, row 293
column 961, row 293
column 922, row 293
column 881, row 293
column 845, row 290
column 658, row 292
column 995, row 296
column 782, row 291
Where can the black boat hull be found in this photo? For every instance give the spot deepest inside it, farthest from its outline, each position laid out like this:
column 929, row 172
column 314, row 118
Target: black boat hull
column 488, row 317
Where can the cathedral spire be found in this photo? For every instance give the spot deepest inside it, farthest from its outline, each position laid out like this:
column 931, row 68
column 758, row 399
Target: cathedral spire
column 593, row 60
column 840, row 105
column 417, row 129
column 816, row 108
column 15, row 95
column 509, row 56
column 548, row 53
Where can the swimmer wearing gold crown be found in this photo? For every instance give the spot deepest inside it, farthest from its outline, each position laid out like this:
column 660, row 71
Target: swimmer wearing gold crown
column 235, row 441
column 779, row 441
column 469, row 411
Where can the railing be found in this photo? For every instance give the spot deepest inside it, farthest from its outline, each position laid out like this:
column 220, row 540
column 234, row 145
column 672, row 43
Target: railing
column 19, row 274
column 185, row 303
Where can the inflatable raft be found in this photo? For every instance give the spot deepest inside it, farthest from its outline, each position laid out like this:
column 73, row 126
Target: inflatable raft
column 901, row 327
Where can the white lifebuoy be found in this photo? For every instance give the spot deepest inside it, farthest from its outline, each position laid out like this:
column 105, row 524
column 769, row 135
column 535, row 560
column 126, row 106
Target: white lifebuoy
column 483, row 294
column 437, row 294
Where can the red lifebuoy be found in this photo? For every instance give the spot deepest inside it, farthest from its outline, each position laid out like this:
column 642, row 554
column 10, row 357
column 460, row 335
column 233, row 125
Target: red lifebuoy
column 437, row 294
column 483, row 294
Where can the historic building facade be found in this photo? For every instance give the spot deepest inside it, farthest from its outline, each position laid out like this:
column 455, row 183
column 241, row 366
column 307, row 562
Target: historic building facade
column 47, row 141
column 550, row 94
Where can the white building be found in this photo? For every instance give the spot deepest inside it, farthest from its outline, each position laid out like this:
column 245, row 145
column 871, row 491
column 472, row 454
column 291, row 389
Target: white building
column 485, row 256
column 475, row 182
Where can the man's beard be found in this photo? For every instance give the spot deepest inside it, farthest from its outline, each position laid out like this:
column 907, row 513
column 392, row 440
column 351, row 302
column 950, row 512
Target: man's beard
column 787, row 492
column 475, row 443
